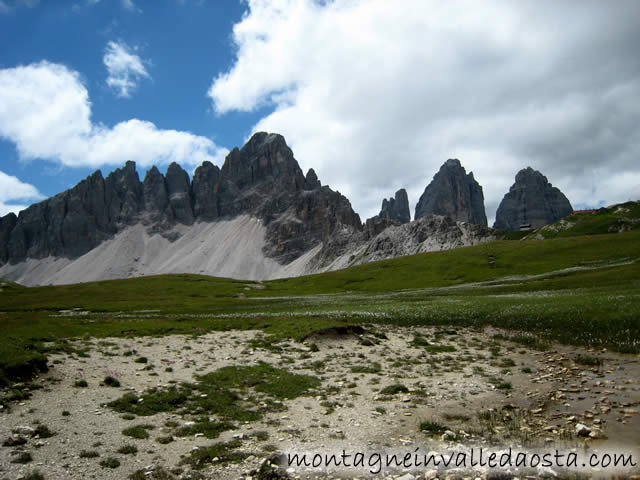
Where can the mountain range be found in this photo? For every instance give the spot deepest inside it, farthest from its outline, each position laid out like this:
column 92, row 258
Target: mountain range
column 258, row 217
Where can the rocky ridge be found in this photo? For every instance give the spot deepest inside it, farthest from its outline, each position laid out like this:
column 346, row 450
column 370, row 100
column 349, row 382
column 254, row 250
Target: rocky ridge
column 258, row 217
column 396, row 208
column 262, row 179
column 430, row 233
column 533, row 201
column 453, row 193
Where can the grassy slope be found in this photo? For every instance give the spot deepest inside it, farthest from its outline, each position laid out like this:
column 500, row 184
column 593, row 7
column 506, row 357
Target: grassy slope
column 465, row 265
column 595, row 307
column 624, row 215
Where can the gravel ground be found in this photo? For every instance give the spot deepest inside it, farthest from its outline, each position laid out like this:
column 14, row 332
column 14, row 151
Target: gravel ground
column 485, row 392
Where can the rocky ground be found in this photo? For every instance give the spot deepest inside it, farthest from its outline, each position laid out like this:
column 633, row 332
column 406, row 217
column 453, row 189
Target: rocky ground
column 380, row 390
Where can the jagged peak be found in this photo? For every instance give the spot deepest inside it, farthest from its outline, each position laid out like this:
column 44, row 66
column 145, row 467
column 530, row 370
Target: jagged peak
column 451, row 163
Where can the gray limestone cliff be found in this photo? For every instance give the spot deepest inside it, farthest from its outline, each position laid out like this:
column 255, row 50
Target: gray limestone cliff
column 453, row 193
column 533, row 201
column 261, row 179
column 394, row 211
column 396, row 208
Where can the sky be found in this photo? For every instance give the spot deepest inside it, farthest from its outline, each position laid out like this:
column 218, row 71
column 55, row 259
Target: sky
column 374, row 95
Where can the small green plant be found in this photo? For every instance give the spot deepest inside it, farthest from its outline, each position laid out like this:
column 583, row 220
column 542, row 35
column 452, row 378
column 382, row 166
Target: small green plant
column 588, row 360
column 138, row 431
column 261, row 435
column 374, row 367
column 110, row 381
column 419, row 341
column 82, row 383
column 110, row 462
column 394, row 389
column 206, row 427
column 165, row 439
column 43, row 431
column 141, row 360
column 440, row 348
column 89, row 454
column 224, row 452
column 432, row 428
column 128, row 449
column 66, row 413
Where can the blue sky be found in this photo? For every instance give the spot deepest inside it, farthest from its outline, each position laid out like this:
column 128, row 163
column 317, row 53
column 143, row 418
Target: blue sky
column 375, row 95
column 183, row 46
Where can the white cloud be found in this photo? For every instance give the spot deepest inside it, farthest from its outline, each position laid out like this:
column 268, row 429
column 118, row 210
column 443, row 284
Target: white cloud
column 11, row 190
column 129, row 5
column 45, row 110
column 126, row 69
column 376, row 95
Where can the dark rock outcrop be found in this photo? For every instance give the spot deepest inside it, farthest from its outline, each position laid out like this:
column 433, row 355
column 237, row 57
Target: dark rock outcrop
column 453, row 193
column 204, row 191
column 264, row 179
column 156, row 198
column 261, row 179
column 533, row 201
column 178, row 189
column 396, row 208
column 7, row 224
column 311, row 181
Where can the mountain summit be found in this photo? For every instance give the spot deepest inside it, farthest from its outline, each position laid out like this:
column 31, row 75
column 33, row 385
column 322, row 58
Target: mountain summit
column 531, row 201
column 258, row 217
column 453, row 193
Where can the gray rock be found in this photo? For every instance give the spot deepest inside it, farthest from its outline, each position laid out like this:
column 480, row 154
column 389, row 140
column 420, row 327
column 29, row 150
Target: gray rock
column 453, row 193
column 179, row 191
column 156, row 199
column 311, row 181
column 406, row 476
column 7, row 224
column 376, row 225
column 123, row 195
column 261, row 179
column 264, row 179
column 396, row 208
column 533, row 201
column 582, row 430
column 204, row 191
column 68, row 224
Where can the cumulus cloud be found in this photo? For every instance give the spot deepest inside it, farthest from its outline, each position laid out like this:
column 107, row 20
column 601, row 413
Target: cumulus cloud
column 376, row 95
column 125, row 68
column 12, row 190
column 45, row 110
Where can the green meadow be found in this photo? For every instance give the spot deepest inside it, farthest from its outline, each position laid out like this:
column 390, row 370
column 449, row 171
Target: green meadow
column 581, row 290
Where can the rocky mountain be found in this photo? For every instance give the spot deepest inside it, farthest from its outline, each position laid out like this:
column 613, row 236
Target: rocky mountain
column 262, row 179
column 430, row 233
column 453, row 193
column 531, row 200
column 396, row 208
column 258, row 217
column 394, row 211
